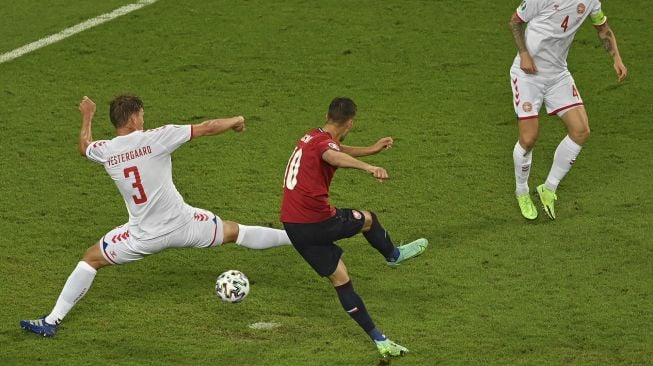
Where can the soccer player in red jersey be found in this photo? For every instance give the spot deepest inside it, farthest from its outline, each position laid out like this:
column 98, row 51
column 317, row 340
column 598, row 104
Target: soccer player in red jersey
column 314, row 226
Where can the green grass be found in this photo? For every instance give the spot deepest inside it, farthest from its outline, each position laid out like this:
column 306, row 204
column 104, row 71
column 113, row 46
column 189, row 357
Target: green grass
column 492, row 289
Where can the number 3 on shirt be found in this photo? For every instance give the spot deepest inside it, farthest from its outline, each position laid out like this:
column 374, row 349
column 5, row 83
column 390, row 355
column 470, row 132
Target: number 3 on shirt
column 290, row 180
column 142, row 197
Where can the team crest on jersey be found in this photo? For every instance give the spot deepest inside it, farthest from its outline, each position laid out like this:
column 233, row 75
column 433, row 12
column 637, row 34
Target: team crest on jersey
column 334, row 146
column 556, row 7
column 306, row 138
column 580, row 9
column 527, row 107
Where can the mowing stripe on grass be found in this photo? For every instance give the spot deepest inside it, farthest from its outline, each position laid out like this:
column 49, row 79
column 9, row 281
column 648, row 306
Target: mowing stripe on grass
column 74, row 30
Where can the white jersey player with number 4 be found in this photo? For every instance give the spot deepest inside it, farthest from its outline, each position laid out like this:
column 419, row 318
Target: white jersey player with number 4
column 543, row 31
column 139, row 162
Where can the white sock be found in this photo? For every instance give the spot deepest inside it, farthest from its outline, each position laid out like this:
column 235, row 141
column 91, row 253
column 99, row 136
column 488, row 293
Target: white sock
column 258, row 237
column 522, row 160
column 563, row 159
column 75, row 288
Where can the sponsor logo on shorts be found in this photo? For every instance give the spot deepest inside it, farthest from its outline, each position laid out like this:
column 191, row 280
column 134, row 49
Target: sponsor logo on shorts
column 357, row 215
column 580, row 9
column 527, row 107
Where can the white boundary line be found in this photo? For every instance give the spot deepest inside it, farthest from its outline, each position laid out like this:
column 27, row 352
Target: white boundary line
column 74, row 30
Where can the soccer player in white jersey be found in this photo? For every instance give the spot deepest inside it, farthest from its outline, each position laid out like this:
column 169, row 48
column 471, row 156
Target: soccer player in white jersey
column 139, row 163
column 543, row 31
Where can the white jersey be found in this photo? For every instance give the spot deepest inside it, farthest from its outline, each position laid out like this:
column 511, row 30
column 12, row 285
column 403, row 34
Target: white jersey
column 141, row 167
column 551, row 27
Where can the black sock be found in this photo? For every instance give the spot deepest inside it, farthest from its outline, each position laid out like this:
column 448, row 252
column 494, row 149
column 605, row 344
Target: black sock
column 380, row 239
column 353, row 305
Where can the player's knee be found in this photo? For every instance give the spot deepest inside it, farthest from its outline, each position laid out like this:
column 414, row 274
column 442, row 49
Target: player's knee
column 230, row 232
column 369, row 220
column 339, row 277
column 581, row 135
column 94, row 257
column 528, row 141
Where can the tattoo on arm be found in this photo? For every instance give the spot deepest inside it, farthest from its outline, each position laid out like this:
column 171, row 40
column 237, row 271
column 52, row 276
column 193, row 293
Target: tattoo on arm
column 608, row 40
column 518, row 32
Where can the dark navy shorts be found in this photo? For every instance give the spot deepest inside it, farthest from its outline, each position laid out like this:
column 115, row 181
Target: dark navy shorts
column 315, row 242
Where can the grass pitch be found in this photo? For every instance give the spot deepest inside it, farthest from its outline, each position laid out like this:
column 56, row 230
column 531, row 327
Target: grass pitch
column 491, row 290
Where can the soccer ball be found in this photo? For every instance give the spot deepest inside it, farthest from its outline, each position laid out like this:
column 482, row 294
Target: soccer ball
column 232, row 286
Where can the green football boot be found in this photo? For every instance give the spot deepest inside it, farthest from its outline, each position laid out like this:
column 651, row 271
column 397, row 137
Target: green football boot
column 526, row 205
column 548, row 199
column 389, row 348
column 410, row 250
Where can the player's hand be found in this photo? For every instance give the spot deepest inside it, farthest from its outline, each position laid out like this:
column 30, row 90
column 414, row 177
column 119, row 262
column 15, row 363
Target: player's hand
column 239, row 124
column 383, row 144
column 87, row 107
column 621, row 70
column 527, row 64
column 379, row 173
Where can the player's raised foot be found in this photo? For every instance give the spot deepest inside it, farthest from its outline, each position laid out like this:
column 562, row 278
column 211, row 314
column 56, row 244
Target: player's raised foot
column 389, row 348
column 527, row 207
column 548, row 199
column 39, row 326
column 410, row 250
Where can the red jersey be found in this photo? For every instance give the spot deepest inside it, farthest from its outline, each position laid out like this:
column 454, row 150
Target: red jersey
column 307, row 179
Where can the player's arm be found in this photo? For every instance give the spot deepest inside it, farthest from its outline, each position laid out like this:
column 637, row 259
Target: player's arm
column 356, row 151
column 87, row 109
column 218, row 126
column 518, row 29
column 341, row 160
column 610, row 44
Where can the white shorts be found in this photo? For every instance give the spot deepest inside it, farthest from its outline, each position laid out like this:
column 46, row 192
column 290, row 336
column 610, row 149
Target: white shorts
column 558, row 92
column 202, row 231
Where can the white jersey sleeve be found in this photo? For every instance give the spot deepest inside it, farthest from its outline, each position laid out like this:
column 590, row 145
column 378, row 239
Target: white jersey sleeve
column 97, row 151
column 529, row 9
column 171, row 136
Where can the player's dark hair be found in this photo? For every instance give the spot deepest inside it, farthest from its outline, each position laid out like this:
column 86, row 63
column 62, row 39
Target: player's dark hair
column 122, row 107
column 341, row 110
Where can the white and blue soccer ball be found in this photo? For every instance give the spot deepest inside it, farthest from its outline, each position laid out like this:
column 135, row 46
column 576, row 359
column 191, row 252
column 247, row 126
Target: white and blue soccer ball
column 232, row 286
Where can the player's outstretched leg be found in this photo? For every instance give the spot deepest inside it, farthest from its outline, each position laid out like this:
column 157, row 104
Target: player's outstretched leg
column 254, row 237
column 410, row 250
column 39, row 326
column 526, row 205
column 389, row 348
column 548, row 199
column 74, row 289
